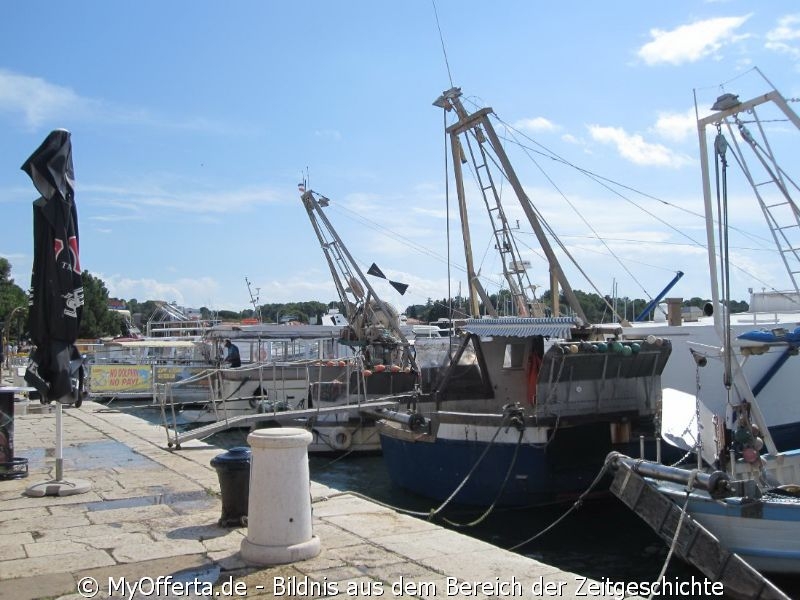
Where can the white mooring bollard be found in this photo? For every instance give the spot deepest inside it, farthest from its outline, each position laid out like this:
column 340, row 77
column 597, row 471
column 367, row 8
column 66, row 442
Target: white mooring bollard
column 279, row 513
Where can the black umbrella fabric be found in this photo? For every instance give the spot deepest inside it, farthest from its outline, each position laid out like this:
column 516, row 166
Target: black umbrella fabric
column 56, row 299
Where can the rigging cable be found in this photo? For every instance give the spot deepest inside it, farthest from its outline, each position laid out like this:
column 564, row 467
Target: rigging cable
column 547, row 153
column 606, row 183
column 588, row 225
column 441, row 39
column 553, row 234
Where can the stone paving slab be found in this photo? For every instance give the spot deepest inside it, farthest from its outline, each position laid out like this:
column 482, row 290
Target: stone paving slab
column 153, row 512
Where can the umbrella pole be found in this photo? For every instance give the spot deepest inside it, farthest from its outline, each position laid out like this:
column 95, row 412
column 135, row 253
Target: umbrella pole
column 59, row 486
column 59, row 443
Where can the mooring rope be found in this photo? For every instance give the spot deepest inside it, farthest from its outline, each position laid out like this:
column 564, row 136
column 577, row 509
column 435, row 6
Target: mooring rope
column 506, row 417
column 689, row 488
column 489, row 510
column 577, row 504
column 432, row 513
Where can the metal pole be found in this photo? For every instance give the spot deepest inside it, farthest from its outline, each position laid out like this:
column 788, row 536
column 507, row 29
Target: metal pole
column 59, row 444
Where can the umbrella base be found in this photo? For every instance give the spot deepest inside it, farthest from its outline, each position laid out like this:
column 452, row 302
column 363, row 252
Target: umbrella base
column 59, row 487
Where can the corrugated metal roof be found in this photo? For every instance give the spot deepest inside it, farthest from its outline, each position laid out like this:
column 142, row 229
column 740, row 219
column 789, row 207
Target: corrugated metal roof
column 270, row 331
column 558, row 327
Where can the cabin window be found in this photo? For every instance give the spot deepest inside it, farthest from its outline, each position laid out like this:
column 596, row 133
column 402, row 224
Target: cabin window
column 514, row 355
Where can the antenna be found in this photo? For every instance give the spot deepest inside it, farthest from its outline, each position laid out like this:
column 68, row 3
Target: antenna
column 254, row 300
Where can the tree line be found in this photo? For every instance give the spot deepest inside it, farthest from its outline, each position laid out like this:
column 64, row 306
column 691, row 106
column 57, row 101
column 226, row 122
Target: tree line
column 100, row 321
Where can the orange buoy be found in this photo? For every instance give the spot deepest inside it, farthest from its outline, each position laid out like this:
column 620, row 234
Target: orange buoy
column 366, row 372
column 380, row 368
column 394, row 369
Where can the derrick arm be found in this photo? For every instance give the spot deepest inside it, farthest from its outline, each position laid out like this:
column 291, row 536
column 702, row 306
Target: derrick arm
column 373, row 324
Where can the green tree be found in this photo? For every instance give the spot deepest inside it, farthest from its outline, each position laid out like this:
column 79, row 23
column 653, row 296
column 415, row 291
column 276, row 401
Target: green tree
column 97, row 320
column 229, row 315
column 13, row 303
column 305, row 312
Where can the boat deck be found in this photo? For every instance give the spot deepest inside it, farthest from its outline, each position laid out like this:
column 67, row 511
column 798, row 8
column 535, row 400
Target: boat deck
column 287, row 417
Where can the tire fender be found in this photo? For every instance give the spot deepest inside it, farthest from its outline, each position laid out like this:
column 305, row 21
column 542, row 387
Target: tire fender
column 340, row 438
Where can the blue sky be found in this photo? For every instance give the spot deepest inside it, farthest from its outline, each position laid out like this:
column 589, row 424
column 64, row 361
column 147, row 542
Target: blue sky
column 192, row 123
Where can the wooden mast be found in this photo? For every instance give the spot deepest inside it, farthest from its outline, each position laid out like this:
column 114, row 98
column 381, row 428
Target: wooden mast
column 479, row 120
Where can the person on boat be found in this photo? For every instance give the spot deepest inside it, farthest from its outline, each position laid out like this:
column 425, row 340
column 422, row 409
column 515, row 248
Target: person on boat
column 233, row 355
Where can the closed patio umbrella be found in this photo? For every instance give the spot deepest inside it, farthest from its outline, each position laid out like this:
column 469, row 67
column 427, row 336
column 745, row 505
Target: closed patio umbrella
column 56, row 302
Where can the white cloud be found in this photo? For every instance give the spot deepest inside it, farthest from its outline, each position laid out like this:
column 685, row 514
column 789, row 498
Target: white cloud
column 785, row 38
column 151, row 289
column 634, row 148
column 676, row 126
column 134, row 203
column 693, row 42
column 40, row 102
column 535, row 124
column 330, row 134
column 37, row 100
column 569, row 138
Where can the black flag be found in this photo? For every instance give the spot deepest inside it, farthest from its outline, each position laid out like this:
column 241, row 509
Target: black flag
column 374, row 270
column 400, row 287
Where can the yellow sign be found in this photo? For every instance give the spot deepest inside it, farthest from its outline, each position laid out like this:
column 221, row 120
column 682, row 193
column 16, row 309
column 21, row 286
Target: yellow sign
column 107, row 380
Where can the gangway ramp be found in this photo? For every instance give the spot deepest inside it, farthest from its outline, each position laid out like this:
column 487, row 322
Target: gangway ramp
column 689, row 539
column 288, row 417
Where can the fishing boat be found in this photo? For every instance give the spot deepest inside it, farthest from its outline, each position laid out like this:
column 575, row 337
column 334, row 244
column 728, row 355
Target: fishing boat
column 334, row 391
column 524, row 408
column 279, row 364
column 743, row 490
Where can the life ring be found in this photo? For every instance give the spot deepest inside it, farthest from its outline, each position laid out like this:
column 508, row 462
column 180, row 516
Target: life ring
column 340, row 438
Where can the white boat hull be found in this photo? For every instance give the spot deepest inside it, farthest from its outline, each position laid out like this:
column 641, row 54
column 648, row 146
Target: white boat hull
column 763, row 532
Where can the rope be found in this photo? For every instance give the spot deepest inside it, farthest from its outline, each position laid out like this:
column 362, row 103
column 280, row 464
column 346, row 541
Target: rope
column 489, row 510
column 577, row 504
column 441, row 39
column 432, row 513
column 326, row 439
column 689, row 488
column 474, row 468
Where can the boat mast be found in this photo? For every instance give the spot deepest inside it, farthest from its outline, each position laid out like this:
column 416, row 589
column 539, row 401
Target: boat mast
column 478, row 124
column 727, row 108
